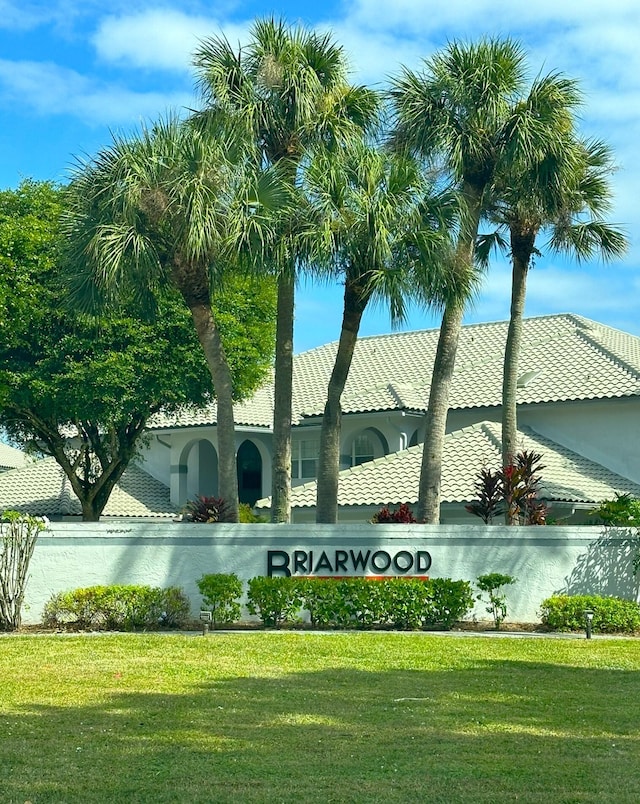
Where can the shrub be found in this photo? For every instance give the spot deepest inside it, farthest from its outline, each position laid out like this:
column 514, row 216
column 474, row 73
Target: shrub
column 402, row 514
column 621, row 512
column 512, row 490
column 275, row 600
column 247, row 516
column 450, row 602
column 222, row 594
column 490, row 503
column 18, row 536
column 364, row 600
column 492, row 584
column 408, row 602
column 206, row 509
column 325, row 601
column 610, row 614
column 368, row 602
column 114, row 608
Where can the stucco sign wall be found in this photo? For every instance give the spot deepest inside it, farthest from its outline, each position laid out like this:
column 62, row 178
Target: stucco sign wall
column 545, row 560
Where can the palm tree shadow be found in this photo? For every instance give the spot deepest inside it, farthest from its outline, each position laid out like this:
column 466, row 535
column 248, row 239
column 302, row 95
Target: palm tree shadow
column 337, row 735
column 606, row 568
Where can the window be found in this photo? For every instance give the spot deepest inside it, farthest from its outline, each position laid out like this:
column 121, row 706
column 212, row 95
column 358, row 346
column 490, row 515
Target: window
column 362, row 450
column 304, row 458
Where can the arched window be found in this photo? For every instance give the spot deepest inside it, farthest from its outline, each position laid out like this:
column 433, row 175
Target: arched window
column 249, row 473
column 362, row 449
column 367, row 445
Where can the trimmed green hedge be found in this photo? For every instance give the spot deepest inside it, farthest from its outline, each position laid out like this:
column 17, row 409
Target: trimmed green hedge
column 406, row 603
column 221, row 592
column 275, row 600
column 118, row 608
column 610, row 614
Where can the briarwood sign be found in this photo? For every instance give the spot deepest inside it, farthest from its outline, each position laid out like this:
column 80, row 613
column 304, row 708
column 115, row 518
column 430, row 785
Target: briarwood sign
column 347, row 562
column 546, row 561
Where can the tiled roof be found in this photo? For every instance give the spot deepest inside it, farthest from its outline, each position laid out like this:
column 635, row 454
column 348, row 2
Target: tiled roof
column 566, row 357
column 42, row 489
column 394, row 478
column 10, row 457
column 254, row 412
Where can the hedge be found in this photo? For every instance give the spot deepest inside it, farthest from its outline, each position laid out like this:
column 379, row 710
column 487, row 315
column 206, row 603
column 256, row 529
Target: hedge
column 118, row 608
column 406, row 603
column 610, row 614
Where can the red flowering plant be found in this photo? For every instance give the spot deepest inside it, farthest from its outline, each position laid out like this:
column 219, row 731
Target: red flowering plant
column 512, row 491
column 402, row 515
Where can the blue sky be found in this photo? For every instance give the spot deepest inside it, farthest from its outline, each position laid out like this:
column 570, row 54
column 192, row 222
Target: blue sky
column 72, row 71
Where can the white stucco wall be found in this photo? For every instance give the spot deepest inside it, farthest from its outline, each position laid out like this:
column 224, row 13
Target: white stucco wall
column 545, row 560
column 604, row 430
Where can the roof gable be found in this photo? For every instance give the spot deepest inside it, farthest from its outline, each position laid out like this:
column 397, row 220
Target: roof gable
column 394, row 479
column 42, row 489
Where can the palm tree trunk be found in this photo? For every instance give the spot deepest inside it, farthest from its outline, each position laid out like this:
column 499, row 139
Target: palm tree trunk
column 209, row 337
column 329, row 460
column 522, row 244
column 283, row 390
column 443, row 367
column 436, row 415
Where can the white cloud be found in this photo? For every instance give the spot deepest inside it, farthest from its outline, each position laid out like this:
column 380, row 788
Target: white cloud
column 158, row 38
column 28, row 14
column 480, row 16
column 53, row 90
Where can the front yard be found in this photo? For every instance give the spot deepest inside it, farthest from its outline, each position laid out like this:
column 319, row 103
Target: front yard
column 310, row 717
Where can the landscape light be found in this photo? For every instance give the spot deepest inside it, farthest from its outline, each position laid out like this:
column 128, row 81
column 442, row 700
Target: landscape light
column 205, row 616
column 588, row 617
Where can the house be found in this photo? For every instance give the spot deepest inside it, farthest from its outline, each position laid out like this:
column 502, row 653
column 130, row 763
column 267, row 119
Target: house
column 578, row 404
column 571, row 484
column 579, row 392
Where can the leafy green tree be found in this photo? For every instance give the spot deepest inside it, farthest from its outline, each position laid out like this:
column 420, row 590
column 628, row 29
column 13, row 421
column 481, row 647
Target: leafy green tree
column 82, row 388
column 163, row 209
column 468, row 115
column 283, row 92
column 384, row 233
column 565, row 195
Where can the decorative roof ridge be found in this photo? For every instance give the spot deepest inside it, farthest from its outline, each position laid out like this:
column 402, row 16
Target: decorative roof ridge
column 605, row 351
column 487, row 431
column 67, row 495
column 473, row 325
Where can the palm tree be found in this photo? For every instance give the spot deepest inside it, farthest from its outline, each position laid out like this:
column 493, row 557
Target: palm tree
column 155, row 209
column 386, row 233
column 566, row 194
column 468, row 116
column 284, row 92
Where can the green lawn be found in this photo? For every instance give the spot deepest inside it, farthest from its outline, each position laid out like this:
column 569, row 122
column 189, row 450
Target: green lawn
column 293, row 717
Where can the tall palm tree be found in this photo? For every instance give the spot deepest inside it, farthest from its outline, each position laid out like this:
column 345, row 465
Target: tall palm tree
column 565, row 195
column 155, row 209
column 284, row 92
column 386, row 233
column 468, row 115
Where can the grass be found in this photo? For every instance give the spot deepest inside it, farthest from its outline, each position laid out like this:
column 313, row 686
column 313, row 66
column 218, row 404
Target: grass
column 284, row 717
